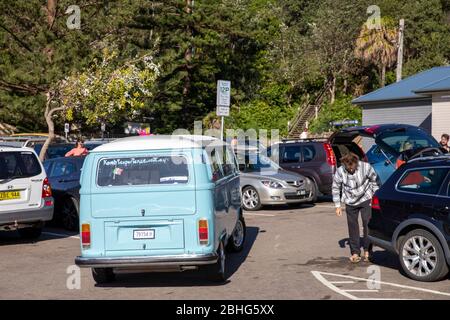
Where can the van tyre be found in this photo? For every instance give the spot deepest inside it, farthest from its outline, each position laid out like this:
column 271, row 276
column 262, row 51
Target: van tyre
column 103, row 275
column 422, row 257
column 250, row 199
column 217, row 272
column 30, row 233
column 237, row 238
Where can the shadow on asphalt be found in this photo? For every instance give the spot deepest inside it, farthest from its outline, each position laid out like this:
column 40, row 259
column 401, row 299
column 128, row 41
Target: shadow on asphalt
column 321, row 199
column 187, row 278
column 13, row 237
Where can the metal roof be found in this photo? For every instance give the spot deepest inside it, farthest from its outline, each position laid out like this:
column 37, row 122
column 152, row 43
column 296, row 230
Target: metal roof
column 437, row 86
column 409, row 88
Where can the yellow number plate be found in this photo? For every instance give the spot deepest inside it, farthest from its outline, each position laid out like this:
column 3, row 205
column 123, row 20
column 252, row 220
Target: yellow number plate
column 9, row 195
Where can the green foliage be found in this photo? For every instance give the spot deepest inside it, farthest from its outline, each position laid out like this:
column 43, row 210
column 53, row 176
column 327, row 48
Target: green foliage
column 110, row 89
column 277, row 54
column 341, row 109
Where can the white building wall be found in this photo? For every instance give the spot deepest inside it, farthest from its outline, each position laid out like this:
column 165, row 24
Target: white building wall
column 440, row 121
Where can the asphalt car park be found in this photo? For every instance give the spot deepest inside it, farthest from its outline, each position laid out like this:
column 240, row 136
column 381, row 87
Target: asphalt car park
column 295, row 252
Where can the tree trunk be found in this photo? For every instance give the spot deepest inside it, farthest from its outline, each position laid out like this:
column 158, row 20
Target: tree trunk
column 333, row 90
column 188, row 53
column 51, row 12
column 48, row 114
column 383, row 75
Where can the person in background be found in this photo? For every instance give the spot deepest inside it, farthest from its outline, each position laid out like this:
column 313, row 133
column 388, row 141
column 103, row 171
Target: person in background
column 304, row 134
column 234, row 143
column 78, row 151
column 444, row 142
column 354, row 184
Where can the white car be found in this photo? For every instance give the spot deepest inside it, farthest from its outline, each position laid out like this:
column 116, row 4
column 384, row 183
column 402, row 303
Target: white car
column 26, row 200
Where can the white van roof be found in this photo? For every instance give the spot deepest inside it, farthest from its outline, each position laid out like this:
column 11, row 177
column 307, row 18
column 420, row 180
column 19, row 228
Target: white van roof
column 156, row 142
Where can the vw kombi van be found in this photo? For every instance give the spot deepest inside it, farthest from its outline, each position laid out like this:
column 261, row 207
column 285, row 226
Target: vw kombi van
column 160, row 203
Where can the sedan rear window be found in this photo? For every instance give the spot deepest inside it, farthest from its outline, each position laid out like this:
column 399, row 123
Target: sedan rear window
column 16, row 165
column 142, row 171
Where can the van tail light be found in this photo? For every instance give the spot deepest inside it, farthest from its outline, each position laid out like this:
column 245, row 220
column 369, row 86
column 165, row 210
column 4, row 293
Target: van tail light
column 376, row 203
column 203, row 236
column 86, row 235
column 331, row 158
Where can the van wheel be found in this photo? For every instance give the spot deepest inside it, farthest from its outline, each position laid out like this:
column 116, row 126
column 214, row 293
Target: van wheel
column 216, row 271
column 70, row 214
column 422, row 257
column 237, row 238
column 103, row 275
column 250, row 199
column 30, row 233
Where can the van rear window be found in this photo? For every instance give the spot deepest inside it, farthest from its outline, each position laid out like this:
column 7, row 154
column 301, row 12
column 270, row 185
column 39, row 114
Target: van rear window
column 142, row 171
column 17, row 165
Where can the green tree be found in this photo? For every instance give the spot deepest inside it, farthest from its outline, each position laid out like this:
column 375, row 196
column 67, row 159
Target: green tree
column 378, row 46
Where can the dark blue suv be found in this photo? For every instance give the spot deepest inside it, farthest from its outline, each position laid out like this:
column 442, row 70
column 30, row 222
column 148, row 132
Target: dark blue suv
column 411, row 217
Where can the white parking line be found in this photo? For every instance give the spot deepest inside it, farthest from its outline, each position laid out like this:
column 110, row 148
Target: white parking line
column 320, row 276
column 258, row 214
column 60, row 235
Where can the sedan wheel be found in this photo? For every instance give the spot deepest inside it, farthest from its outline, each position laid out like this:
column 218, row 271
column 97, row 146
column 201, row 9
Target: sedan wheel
column 422, row 257
column 250, row 199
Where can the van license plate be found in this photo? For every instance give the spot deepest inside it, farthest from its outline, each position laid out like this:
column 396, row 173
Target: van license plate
column 301, row 192
column 9, row 195
column 143, row 234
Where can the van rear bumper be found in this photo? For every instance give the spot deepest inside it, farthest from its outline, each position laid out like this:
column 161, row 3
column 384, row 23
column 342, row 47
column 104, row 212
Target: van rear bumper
column 147, row 261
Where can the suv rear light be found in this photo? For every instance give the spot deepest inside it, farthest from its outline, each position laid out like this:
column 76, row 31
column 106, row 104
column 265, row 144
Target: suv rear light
column 47, row 192
column 203, row 236
column 372, row 129
column 86, row 235
column 331, row 158
column 376, row 203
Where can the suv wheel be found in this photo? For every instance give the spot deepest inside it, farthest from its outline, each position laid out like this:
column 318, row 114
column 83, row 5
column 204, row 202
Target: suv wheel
column 250, row 199
column 422, row 257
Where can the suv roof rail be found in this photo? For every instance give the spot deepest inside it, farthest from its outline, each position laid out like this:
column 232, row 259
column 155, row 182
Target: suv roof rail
column 429, row 158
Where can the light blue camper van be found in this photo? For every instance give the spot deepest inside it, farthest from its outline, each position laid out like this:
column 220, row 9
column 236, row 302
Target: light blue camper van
column 160, row 203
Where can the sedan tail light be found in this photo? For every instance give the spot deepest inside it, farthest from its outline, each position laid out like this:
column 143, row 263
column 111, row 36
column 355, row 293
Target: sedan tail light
column 376, row 203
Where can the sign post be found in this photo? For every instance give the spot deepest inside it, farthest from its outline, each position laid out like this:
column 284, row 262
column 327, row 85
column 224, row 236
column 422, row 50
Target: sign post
column 66, row 129
column 223, row 102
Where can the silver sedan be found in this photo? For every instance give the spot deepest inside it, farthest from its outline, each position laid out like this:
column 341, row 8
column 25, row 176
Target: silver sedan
column 263, row 182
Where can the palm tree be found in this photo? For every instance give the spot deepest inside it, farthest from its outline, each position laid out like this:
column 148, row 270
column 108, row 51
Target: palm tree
column 378, row 46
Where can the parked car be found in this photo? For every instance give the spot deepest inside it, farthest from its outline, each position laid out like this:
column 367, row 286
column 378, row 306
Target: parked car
column 411, row 217
column 383, row 163
column 263, row 182
column 64, row 176
column 55, row 150
column 164, row 203
column 317, row 159
column 94, row 143
column 26, row 200
column 311, row 158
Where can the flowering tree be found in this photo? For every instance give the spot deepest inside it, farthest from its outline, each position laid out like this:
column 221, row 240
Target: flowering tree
column 108, row 89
